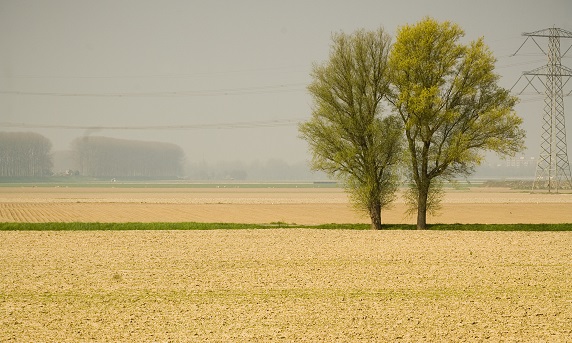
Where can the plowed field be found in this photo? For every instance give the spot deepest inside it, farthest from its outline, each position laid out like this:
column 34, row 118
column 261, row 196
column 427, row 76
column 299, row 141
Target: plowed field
column 265, row 205
column 287, row 285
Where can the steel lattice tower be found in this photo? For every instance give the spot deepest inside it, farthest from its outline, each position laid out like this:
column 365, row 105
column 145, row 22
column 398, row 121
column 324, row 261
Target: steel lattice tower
column 553, row 167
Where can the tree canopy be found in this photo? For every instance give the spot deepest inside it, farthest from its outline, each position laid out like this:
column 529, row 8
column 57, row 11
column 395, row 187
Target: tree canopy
column 350, row 136
column 450, row 105
column 447, row 110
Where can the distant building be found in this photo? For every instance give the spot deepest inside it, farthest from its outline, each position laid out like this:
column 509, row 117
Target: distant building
column 520, row 161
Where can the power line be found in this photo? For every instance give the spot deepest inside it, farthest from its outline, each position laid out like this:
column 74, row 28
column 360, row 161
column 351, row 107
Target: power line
column 299, row 68
column 269, row 89
column 509, row 65
column 215, row 126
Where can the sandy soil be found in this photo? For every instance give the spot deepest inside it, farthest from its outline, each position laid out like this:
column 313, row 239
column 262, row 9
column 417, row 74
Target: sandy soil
column 285, row 285
column 255, row 205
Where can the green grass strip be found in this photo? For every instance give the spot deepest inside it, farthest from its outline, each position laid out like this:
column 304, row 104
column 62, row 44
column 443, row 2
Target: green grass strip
column 237, row 226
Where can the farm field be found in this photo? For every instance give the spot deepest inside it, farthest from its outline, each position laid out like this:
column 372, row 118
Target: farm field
column 309, row 206
column 280, row 284
column 285, row 285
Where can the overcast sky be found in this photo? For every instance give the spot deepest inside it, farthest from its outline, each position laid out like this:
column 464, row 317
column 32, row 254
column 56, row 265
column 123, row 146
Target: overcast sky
column 232, row 75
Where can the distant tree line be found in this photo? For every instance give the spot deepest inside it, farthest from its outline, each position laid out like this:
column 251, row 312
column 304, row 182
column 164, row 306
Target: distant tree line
column 269, row 170
column 110, row 157
column 24, row 154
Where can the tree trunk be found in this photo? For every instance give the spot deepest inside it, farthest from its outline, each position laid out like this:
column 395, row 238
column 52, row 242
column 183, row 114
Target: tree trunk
column 375, row 215
column 422, row 207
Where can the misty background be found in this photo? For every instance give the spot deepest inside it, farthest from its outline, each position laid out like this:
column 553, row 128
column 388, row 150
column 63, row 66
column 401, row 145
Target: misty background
column 226, row 80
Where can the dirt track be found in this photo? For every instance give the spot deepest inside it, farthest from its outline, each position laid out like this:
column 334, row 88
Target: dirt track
column 247, row 205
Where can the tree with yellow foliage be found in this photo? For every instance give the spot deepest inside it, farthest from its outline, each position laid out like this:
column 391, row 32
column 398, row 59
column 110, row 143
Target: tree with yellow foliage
column 451, row 107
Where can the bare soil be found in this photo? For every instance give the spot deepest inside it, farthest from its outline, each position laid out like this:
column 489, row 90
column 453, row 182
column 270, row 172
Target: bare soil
column 288, row 285
column 254, row 205
column 281, row 285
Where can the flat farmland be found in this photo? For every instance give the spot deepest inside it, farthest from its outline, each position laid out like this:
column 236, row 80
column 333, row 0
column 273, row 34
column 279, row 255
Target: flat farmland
column 308, row 206
column 286, row 285
column 290, row 285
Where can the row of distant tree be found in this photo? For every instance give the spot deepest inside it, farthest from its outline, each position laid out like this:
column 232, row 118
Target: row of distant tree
column 257, row 170
column 104, row 156
column 24, row 154
column 28, row 154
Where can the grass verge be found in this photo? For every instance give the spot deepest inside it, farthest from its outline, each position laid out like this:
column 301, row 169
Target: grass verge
column 237, row 226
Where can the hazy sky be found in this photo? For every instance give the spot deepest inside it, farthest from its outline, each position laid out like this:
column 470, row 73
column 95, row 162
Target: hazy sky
column 232, row 74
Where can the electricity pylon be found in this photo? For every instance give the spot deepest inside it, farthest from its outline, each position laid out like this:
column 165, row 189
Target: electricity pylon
column 552, row 168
